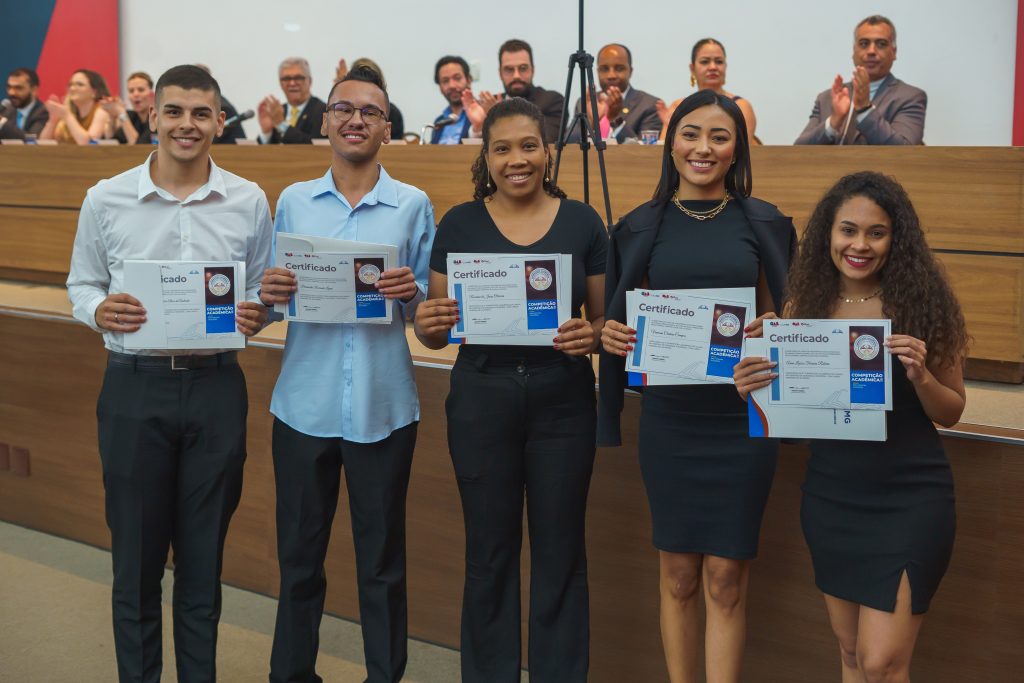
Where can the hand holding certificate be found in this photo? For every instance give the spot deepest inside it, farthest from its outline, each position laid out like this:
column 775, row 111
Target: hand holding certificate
column 336, row 280
column 687, row 336
column 189, row 304
column 516, row 299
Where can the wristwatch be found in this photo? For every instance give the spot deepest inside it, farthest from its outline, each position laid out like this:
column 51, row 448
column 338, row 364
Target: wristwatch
column 122, row 117
column 860, row 111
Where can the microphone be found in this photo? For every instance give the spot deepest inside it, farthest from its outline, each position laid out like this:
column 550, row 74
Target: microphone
column 452, row 118
column 238, row 118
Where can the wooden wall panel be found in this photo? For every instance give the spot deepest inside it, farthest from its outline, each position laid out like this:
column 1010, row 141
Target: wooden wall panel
column 52, row 372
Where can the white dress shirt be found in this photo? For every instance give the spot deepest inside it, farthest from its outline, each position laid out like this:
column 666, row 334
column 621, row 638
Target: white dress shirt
column 129, row 217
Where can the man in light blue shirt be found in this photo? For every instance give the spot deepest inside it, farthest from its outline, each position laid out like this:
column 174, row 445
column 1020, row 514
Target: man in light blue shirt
column 346, row 395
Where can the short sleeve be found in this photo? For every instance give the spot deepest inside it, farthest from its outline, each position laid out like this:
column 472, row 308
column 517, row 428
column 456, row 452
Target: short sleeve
column 597, row 251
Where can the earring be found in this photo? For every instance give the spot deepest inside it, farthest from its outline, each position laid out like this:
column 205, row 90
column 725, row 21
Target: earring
column 693, row 81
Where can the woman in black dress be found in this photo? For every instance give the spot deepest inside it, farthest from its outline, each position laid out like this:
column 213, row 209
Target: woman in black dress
column 521, row 418
column 879, row 518
column 706, row 481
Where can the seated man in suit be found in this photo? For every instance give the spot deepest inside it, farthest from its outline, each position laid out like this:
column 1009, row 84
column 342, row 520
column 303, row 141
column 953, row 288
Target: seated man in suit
column 882, row 110
column 515, row 59
column 451, row 74
column 23, row 113
column 623, row 111
column 300, row 120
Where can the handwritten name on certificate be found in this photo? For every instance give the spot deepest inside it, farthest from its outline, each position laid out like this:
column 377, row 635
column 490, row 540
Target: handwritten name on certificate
column 841, row 364
column 515, row 299
column 687, row 336
column 189, row 304
column 336, row 279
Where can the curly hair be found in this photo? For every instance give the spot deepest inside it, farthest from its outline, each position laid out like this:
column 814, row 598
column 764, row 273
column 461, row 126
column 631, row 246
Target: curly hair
column 916, row 295
column 513, row 106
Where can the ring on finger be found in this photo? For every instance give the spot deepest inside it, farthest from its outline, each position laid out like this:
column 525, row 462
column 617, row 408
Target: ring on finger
column 116, row 315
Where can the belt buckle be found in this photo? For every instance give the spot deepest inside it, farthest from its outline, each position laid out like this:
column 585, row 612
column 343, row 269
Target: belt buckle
column 174, row 363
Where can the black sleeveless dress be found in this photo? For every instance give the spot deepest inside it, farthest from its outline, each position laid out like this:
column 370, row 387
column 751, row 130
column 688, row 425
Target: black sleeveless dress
column 873, row 510
column 707, row 482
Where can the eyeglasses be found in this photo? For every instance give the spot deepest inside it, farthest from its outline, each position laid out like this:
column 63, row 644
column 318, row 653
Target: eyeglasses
column 293, row 79
column 343, row 111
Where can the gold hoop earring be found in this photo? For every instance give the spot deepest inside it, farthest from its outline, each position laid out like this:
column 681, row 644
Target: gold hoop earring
column 693, row 81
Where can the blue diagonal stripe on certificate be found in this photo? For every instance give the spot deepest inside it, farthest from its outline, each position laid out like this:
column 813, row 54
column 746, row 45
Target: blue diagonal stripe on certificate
column 776, row 384
column 638, row 349
column 460, row 326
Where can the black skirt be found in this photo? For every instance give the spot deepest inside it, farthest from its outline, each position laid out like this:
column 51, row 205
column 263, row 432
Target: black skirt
column 707, row 481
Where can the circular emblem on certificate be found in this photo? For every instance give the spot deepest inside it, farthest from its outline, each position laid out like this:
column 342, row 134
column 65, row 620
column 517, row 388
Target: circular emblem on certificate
column 369, row 274
column 728, row 324
column 220, row 284
column 540, row 279
column 866, row 347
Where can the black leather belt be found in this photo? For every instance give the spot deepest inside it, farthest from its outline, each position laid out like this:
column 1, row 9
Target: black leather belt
column 172, row 363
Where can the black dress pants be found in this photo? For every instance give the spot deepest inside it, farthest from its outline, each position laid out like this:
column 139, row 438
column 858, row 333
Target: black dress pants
column 514, row 429
column 172, row 444
column 307, row 472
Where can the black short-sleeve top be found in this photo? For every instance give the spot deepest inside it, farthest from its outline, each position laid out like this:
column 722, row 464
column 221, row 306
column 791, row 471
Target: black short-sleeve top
column 576, row 230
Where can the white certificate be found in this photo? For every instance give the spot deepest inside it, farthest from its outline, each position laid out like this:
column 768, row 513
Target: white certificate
column 798, row 422
column 840, row 364
column 336, row 279
column 189, row 304
column 515, row 299
column 687, row 336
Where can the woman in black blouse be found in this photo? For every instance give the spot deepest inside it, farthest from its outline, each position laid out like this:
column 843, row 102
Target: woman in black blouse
column 707, row 482
column 521, row 419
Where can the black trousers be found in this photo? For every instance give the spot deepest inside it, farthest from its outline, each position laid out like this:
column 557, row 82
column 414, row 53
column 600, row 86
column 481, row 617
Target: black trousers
column 172, row 444
column 307, row 470
column 511, row 430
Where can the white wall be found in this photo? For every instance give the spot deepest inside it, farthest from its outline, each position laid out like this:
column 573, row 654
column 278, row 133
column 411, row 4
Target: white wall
column 781, row 53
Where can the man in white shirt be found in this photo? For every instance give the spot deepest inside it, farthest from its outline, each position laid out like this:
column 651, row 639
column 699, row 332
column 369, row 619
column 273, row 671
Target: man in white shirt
column 298, row 120
column 171, row 427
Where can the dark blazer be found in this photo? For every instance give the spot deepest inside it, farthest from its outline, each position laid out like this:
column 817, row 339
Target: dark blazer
column 629, row 254
column 640, row 113
column 306, row 128
column 550, row 104
column 897, row 118
column 232, row 132
column 34, row 122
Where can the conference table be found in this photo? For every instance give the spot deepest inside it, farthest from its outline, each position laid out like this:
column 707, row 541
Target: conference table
column 970, row 203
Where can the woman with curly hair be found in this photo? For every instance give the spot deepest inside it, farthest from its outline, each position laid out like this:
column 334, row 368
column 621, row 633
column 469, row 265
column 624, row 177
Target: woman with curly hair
column 521, row 419
column 707, row 482
column 879, row 518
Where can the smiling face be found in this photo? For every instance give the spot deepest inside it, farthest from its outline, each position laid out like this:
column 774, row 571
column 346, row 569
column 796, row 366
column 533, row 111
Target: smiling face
column 516, row 72
column 516, row 156
column 703, row 149
column 355, row 141
column 874, row 49
column 860, row 242
column 295, row 84
column 140, row 95
column 186, row 122
column 709, row 66
column 452, row 81
column 613, row 68
column 80, row 91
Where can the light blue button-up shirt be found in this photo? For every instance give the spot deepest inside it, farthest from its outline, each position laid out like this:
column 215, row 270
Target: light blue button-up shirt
column 354, row 381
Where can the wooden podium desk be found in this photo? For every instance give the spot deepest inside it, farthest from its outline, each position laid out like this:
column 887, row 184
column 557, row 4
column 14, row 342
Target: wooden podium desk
column 50, row 480
column 969, row 199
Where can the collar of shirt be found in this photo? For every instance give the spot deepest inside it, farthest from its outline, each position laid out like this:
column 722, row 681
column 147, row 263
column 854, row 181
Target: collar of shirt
column 215, row 183
column 26, row 109
column 876, row 85
column 384, row 192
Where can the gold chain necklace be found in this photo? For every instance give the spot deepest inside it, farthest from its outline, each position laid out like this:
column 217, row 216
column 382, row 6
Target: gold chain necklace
column 862, row 299
column 701, row 215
